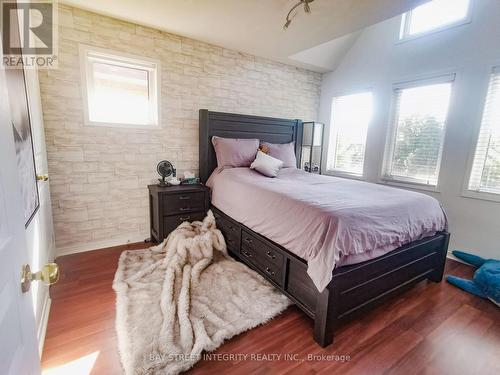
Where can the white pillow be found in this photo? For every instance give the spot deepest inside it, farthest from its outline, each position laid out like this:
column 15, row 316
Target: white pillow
column 267, row 165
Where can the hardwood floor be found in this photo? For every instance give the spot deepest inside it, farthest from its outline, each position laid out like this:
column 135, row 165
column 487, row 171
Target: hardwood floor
column 431, row 329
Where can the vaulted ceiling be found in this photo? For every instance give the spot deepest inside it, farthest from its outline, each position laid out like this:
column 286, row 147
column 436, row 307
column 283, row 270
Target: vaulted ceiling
column 255, row 26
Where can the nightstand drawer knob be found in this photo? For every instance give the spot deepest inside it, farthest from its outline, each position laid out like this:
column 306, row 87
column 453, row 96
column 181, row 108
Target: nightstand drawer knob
column 184, row 197
column 183, row 209
column 185, row 218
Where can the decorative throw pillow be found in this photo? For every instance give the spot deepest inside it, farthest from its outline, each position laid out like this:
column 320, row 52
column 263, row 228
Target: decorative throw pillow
column 267, row 165
column 233, row 152
column 282, row 151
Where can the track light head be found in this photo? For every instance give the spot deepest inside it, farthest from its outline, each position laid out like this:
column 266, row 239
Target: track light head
column 307, row 9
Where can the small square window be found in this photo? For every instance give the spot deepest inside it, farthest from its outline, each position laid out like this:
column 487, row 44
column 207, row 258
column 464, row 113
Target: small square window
column 433, row 16
column 119, row 90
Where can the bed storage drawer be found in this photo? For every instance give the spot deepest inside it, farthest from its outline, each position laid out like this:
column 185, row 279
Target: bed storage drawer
column 263, row 255
column 231, row 232
column 265, row 251
column 272, row 271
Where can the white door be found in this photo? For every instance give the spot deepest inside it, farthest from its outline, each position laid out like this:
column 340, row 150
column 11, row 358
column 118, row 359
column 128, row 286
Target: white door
column 18, row 342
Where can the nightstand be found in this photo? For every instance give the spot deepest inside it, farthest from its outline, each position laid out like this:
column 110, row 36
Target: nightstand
column 172, row 205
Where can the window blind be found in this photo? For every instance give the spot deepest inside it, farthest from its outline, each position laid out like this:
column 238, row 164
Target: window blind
column 485, row 173
column 351, row 116
column 418, row 129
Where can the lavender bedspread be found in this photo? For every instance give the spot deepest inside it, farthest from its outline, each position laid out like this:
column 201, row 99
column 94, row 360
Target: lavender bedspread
column 323, row 219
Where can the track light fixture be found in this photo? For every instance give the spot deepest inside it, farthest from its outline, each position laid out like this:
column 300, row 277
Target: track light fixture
column 307, row 9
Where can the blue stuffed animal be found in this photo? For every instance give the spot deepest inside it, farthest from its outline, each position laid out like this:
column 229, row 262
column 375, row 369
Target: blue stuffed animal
column 486, row 280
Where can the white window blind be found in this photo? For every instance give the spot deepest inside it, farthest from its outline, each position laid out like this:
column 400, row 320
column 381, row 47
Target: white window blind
column 485, row 174
column 351, row 116
column 418, row 128
column 434, row 15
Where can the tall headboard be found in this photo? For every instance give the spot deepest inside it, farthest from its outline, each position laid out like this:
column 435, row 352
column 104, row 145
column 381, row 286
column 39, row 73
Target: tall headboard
column 231, row 125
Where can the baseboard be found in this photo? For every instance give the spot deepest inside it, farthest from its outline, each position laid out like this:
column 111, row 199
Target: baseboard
column 44, row 320
column 95, row 245
column 453, row 257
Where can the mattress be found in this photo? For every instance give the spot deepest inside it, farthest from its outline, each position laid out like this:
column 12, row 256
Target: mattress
column 326, row 221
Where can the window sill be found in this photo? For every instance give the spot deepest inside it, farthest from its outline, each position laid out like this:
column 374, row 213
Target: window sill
column 491, row 197
column 409, row 185
column 351, row 176
column 119, row 125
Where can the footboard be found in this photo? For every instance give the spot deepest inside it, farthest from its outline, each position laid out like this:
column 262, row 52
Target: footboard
column 353, row 288
column 359, row 287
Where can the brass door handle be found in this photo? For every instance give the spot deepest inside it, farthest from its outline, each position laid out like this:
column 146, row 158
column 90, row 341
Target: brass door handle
column 49, row 274
column 42, row 177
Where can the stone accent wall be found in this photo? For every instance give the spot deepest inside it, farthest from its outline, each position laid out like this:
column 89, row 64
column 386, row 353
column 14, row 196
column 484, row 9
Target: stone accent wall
column 98, row 175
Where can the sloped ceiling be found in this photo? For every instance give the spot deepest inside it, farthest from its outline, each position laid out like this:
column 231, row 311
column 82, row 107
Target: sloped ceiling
column 255, row 26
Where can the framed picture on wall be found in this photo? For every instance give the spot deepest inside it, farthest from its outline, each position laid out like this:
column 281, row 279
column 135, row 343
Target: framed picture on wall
column 21, row 128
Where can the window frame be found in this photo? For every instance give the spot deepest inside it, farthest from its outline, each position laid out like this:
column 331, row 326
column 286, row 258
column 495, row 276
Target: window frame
column 466, row 192
column 153, row 67
column 405, row 36
column 339, row 173
column 412, row 183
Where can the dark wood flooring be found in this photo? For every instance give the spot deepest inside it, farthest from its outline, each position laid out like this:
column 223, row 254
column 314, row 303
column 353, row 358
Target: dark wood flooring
column 431, row 329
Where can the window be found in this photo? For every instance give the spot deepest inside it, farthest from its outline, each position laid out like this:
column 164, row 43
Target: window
column 351, row 116
column 418, row 128
column 485, row 174
column 119, row 90
column 434, row 16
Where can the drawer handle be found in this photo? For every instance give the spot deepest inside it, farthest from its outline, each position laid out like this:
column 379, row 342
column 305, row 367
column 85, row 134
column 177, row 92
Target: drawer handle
column 248, row 240
column 247, row 254
column 269, row 271
column 185, row 218
column 182, row 209
column 184, row 197
column 270, row 255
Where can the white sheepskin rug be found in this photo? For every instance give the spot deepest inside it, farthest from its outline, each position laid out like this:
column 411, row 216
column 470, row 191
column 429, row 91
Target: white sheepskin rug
column 186, row 296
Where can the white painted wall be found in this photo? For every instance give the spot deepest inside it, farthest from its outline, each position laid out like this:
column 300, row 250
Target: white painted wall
column 377, row 60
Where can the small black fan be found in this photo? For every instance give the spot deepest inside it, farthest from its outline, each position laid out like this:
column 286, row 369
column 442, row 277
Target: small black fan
column 165, row 169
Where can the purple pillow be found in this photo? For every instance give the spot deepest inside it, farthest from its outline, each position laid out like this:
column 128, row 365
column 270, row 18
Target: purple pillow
column 284, row 152
column 233, row 152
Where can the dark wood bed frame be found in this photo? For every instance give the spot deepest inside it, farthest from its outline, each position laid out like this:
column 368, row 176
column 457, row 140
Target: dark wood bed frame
column 353, row 288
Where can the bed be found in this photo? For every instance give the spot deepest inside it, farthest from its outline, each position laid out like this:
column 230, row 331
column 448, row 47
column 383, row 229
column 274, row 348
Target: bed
column 292, row 260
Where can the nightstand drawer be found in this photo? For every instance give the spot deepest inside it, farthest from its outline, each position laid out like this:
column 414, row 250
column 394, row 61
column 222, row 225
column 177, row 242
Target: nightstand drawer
column 171, row 205
column 172, row 222
column 175, row 204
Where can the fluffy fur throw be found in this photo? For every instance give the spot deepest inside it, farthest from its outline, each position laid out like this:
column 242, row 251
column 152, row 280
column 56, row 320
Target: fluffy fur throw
column 186, row 296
